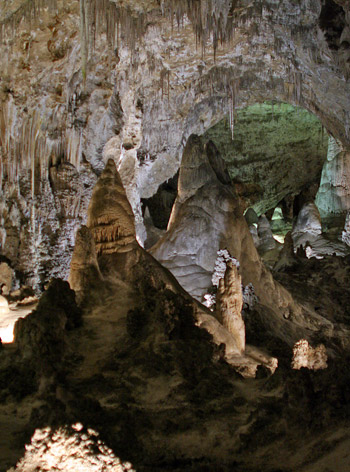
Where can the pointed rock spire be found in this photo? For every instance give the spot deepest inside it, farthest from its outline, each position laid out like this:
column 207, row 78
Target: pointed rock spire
column 110, row 217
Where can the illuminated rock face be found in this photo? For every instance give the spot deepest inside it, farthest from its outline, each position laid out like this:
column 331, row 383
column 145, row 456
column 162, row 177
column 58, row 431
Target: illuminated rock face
column 333, row 197
column 68, row 449
column 4, row 306
column 207, row 217
column 139, row 104
column 84, row 268
column 309, row 221
column 266, row 239
column 306, row 356
column 277, row 149
column 110, row 217
column 229, row 303
column 346, row 232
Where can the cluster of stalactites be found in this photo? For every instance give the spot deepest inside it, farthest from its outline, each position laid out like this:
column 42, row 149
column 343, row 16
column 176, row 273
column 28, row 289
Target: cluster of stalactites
column 25, row 147
column 109, row 236
column 211, row 19
column 220, row 80
column 28, row 12
column 119, row 24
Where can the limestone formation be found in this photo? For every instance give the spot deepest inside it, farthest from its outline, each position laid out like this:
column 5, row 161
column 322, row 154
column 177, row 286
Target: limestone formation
column 309, row 221
column 266, row 239
column 333, row 197
column 286, row 256
column 142, row 362
column 207, row 217
column 229, row 303
column 307, row 233
column 254, row 232
column 84, row 270
column 110, row 217
column 4, row 306
column 7, row 278
column 267, row 134
column 69, row 448
column 346, row 232
column 305, row 355
column 139, row 104
column 251, row 217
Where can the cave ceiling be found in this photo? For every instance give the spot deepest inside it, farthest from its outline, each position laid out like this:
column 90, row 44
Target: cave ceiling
column 101, row 104
column 135, row 87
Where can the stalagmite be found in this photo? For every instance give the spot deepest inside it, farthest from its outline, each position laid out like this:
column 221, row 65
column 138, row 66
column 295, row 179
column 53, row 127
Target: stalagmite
column 306, row 356
column 110, row 217
column 229, row 303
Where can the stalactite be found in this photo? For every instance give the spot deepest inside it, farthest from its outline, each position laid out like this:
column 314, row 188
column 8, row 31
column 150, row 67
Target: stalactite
column 28, row 12
column 298, row 87
column 83, row 38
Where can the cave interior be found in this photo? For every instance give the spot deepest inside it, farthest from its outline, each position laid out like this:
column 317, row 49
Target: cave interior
column 175, row 235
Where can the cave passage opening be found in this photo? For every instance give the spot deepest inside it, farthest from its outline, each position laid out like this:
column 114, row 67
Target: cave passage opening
column 275, row 160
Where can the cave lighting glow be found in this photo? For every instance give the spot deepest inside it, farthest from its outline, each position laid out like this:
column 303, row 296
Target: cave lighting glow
column 8, row 318
column 6, row 333
column 279, row 238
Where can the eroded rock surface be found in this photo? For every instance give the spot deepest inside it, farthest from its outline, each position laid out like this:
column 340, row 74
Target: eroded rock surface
column 207, row 217
column 333, row 197
column 305, row 355
column 137, row 369
column 229, row 304
column 68, row 107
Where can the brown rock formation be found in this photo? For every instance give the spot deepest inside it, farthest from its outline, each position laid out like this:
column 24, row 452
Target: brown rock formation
column 110, row 217
column 84, row 270
column 229, row 303
column 305, row 355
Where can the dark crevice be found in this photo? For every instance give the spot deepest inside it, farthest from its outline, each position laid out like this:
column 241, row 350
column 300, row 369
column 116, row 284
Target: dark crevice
column 161, row 203
column 332, row 22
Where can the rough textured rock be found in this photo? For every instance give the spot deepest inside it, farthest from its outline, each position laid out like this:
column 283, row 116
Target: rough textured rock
column 207, row 217
column 333, row 197
column 265, row 136
column 7, row 278
column 309, row 221
column 254, row 232
column 286, row 256
column 305, row 355
column 140, row 102
column 69, row 449
column 41, row 336
column 229, row 304
column 84, row 267
column 266, row 239
column 110, row 217
column 346, row 233
column 140, row 371
column 307, row 233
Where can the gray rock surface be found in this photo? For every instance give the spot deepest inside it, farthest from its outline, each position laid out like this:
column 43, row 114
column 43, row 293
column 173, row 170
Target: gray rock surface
column 139, row 103
column 207, row 217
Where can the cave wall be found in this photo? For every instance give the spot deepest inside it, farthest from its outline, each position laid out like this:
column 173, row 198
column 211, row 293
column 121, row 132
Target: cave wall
column 276, row 148
column 139, row 98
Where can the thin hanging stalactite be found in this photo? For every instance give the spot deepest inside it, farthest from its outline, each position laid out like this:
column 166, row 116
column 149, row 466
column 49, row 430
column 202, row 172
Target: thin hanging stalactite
column 83, row 38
